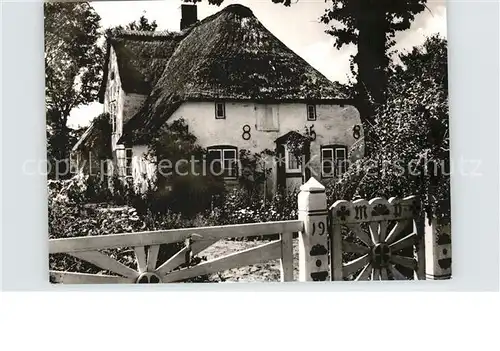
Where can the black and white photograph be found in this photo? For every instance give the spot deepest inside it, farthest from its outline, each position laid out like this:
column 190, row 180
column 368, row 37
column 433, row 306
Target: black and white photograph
column 221, row 141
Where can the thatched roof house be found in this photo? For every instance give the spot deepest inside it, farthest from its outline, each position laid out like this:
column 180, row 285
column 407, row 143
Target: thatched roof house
column 227, row 64
column 142, row 57
column 229, row 55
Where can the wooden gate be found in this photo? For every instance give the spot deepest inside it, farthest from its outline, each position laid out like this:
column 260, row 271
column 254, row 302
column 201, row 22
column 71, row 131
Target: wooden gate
column 146, row 246
column 369, row 240
column 378, row 239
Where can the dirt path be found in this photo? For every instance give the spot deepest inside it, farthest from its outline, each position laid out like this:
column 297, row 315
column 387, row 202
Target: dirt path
column 264, row 272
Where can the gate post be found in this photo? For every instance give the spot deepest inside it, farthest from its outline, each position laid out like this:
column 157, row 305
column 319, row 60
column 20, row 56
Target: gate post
column 438, row 246
column 313, row 240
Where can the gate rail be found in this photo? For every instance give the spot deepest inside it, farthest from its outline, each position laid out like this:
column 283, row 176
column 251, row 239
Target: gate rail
column 146, row 246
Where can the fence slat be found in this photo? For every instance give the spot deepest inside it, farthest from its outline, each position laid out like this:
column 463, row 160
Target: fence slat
column 398, row 228
column 355, row 248
column 355, row 265
column 419, row 227
column 106, row 262
column 152, row 257
column 171, row 236
column 360, row 233
column 180, row 257
column 286, row 262
column 397, row 275
column 259, row 254
column 336, row 266
column 404, row 261
column 83, row 278
column 404, row 242
column 365, row 273
column 140, row 256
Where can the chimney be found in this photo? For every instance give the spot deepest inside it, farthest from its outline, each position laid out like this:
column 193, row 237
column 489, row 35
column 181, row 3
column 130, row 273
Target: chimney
column 189, row 13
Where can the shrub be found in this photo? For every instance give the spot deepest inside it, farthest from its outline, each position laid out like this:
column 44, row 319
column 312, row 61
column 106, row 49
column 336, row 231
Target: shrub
column 70, row 217
column 410, row 155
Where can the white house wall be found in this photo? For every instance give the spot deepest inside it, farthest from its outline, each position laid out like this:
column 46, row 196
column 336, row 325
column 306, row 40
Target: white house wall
column 127, row 104
column 334, row 125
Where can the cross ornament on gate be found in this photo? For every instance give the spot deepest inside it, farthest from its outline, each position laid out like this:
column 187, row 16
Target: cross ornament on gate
column 381, row 255
column 343, row 213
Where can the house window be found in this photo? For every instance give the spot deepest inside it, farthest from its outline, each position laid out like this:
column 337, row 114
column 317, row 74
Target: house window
column 333, row 160
column 112, row 116
column 311, row 112
column 292, row 162
column 128, row 162
column 220, row 110
column 223, row 161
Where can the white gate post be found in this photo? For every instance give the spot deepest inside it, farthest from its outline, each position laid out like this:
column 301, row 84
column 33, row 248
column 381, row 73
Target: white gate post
column 313, row 240
column 438, row 249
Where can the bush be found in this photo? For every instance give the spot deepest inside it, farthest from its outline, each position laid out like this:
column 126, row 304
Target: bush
column 70, row 217
column 410, row 151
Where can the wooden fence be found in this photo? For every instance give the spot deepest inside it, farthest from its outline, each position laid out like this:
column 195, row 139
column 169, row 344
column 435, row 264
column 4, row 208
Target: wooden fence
column 146, row 246
column 360, row 240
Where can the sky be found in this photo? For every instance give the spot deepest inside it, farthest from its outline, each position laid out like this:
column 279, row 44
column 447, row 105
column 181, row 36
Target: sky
column 297, row 26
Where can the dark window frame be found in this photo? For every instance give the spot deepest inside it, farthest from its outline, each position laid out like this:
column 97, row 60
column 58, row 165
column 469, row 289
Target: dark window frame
column 313, row 111
column 337, row 169
column 217, row 116
column 234, row 171
column 112, row 113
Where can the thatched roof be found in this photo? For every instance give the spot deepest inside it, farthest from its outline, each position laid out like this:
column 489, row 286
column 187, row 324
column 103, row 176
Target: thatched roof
column 142, row 57
column 229, row 55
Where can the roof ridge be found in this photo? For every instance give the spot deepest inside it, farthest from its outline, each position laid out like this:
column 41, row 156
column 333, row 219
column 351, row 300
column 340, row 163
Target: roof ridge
column 122, row 33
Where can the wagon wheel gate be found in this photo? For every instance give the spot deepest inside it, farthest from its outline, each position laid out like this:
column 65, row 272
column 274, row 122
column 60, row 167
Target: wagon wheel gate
column 377, row 240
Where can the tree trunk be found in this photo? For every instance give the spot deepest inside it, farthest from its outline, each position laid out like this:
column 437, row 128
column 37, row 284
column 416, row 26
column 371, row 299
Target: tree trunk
column 372, row 66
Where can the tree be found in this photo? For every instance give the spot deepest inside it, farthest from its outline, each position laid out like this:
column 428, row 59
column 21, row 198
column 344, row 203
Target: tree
column 143, row 24
column 371, row 26
column 412, row 134
column 73, row 63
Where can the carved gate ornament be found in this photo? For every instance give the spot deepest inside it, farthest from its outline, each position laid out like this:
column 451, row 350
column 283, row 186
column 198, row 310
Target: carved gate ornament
column 378, row 239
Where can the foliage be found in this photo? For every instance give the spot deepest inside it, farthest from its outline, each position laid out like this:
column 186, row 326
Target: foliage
column 56, row 146
column 255, row 170
column 73, row 62
column 101, row 140
column 69, row 216
column 297, row 143
column 411, row 134
column 143, row 24
column 183, row 180
column 240, row 206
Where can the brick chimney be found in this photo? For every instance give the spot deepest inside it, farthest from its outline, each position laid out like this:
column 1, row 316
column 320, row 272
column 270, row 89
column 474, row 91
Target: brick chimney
column 189, row 15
